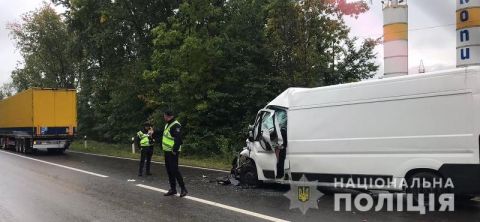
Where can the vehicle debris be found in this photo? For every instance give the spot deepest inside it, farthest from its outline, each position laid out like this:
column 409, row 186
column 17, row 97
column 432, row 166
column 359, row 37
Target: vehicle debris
column 227, row 180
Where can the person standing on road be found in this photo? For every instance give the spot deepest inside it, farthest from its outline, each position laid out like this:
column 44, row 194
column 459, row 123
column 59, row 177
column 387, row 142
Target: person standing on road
column 172, row 146
column 145, row 140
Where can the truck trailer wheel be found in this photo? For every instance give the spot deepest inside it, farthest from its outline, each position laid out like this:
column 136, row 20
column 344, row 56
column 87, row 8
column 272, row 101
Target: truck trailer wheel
column 28, row 147
column 17, row 146
column 21, row 146
column 5, row 143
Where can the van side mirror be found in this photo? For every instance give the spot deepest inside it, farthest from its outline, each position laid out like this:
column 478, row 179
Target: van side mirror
column 250, row 133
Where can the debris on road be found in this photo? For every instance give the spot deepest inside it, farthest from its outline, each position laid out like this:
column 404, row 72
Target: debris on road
column 131, row 180
column 227, row 180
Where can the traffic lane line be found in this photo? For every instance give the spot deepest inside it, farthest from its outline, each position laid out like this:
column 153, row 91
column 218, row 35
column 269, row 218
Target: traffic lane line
column 215, row 204
column 57, row 165
column 125, row 158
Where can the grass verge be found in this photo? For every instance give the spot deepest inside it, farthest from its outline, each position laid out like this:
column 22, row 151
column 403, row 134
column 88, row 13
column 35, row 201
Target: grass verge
column 125, row 150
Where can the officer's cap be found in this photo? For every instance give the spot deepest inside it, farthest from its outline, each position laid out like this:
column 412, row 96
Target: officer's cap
column 169, row 113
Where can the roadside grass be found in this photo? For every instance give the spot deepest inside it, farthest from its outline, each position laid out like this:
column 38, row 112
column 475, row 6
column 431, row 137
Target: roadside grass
column 125, row 150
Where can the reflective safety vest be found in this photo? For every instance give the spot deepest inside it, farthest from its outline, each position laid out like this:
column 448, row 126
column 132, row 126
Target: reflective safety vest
column 168, row 141
column 144, row 140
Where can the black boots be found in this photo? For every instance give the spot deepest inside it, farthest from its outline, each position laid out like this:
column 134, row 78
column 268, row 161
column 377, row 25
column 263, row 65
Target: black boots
column 183, row 193
column 173, row 192
column 170, row 193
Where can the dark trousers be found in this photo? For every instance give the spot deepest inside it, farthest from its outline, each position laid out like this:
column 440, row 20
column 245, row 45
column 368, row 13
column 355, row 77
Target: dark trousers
column 281, row 163
column 145, row 156
column 174, row 175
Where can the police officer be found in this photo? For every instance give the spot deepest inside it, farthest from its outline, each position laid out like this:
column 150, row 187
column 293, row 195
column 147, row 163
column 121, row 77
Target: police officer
column 172, row 145
column 145, row 140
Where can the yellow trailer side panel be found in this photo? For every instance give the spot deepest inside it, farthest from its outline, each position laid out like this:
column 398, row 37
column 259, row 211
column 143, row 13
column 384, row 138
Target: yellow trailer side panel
column 40, row 108
column 17, row 111
column 43, row 108
column 55, row 108
column 66, row 108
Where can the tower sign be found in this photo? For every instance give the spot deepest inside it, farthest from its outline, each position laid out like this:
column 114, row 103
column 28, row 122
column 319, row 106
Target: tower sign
column 468, row 32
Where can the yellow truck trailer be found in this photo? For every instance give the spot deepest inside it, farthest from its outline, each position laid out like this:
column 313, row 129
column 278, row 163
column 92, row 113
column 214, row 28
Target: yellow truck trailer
column 38, row 119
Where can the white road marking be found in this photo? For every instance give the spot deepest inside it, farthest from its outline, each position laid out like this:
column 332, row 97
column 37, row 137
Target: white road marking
column 58, row 165
column 226, row 207
column 124, row 158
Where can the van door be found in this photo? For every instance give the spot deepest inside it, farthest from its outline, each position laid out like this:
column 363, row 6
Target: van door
column 267, row 134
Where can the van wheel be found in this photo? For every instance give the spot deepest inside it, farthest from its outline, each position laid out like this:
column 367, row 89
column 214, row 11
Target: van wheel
column 248, row 173
column 418, row 190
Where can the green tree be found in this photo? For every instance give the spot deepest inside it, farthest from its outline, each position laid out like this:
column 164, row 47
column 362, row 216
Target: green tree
column 310, row 44
column 187, row 65
column 45, row 45
column 6, row 90
column 218, row 61
column 113, row 43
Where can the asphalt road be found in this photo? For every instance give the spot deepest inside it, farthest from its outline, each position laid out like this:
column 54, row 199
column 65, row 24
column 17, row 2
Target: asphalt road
column 81, row 187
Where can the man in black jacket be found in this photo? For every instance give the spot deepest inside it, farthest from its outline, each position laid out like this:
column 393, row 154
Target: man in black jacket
column 172, row 146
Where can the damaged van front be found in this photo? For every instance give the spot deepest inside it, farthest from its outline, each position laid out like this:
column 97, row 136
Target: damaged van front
column 381, row 134
column 264, row 157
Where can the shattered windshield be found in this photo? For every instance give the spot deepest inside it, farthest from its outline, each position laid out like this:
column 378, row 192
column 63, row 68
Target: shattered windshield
column 267, row 121
column 281, row 117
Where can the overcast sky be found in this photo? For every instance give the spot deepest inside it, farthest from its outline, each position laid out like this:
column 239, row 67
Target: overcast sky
column 11, row 11
column 436, row 46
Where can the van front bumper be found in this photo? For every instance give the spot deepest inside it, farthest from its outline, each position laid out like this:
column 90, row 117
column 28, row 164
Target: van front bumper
column 465, row 177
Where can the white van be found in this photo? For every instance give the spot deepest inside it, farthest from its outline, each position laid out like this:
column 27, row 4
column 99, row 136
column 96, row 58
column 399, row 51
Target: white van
column 416, row 126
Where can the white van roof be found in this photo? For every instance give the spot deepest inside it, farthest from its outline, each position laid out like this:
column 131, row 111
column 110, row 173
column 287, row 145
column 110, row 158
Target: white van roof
column 447, row 80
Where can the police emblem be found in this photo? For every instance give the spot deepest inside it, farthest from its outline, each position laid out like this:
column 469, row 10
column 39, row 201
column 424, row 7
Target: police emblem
column 303, row 194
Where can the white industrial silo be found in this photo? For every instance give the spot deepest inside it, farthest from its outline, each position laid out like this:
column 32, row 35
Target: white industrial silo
column 395, row 38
